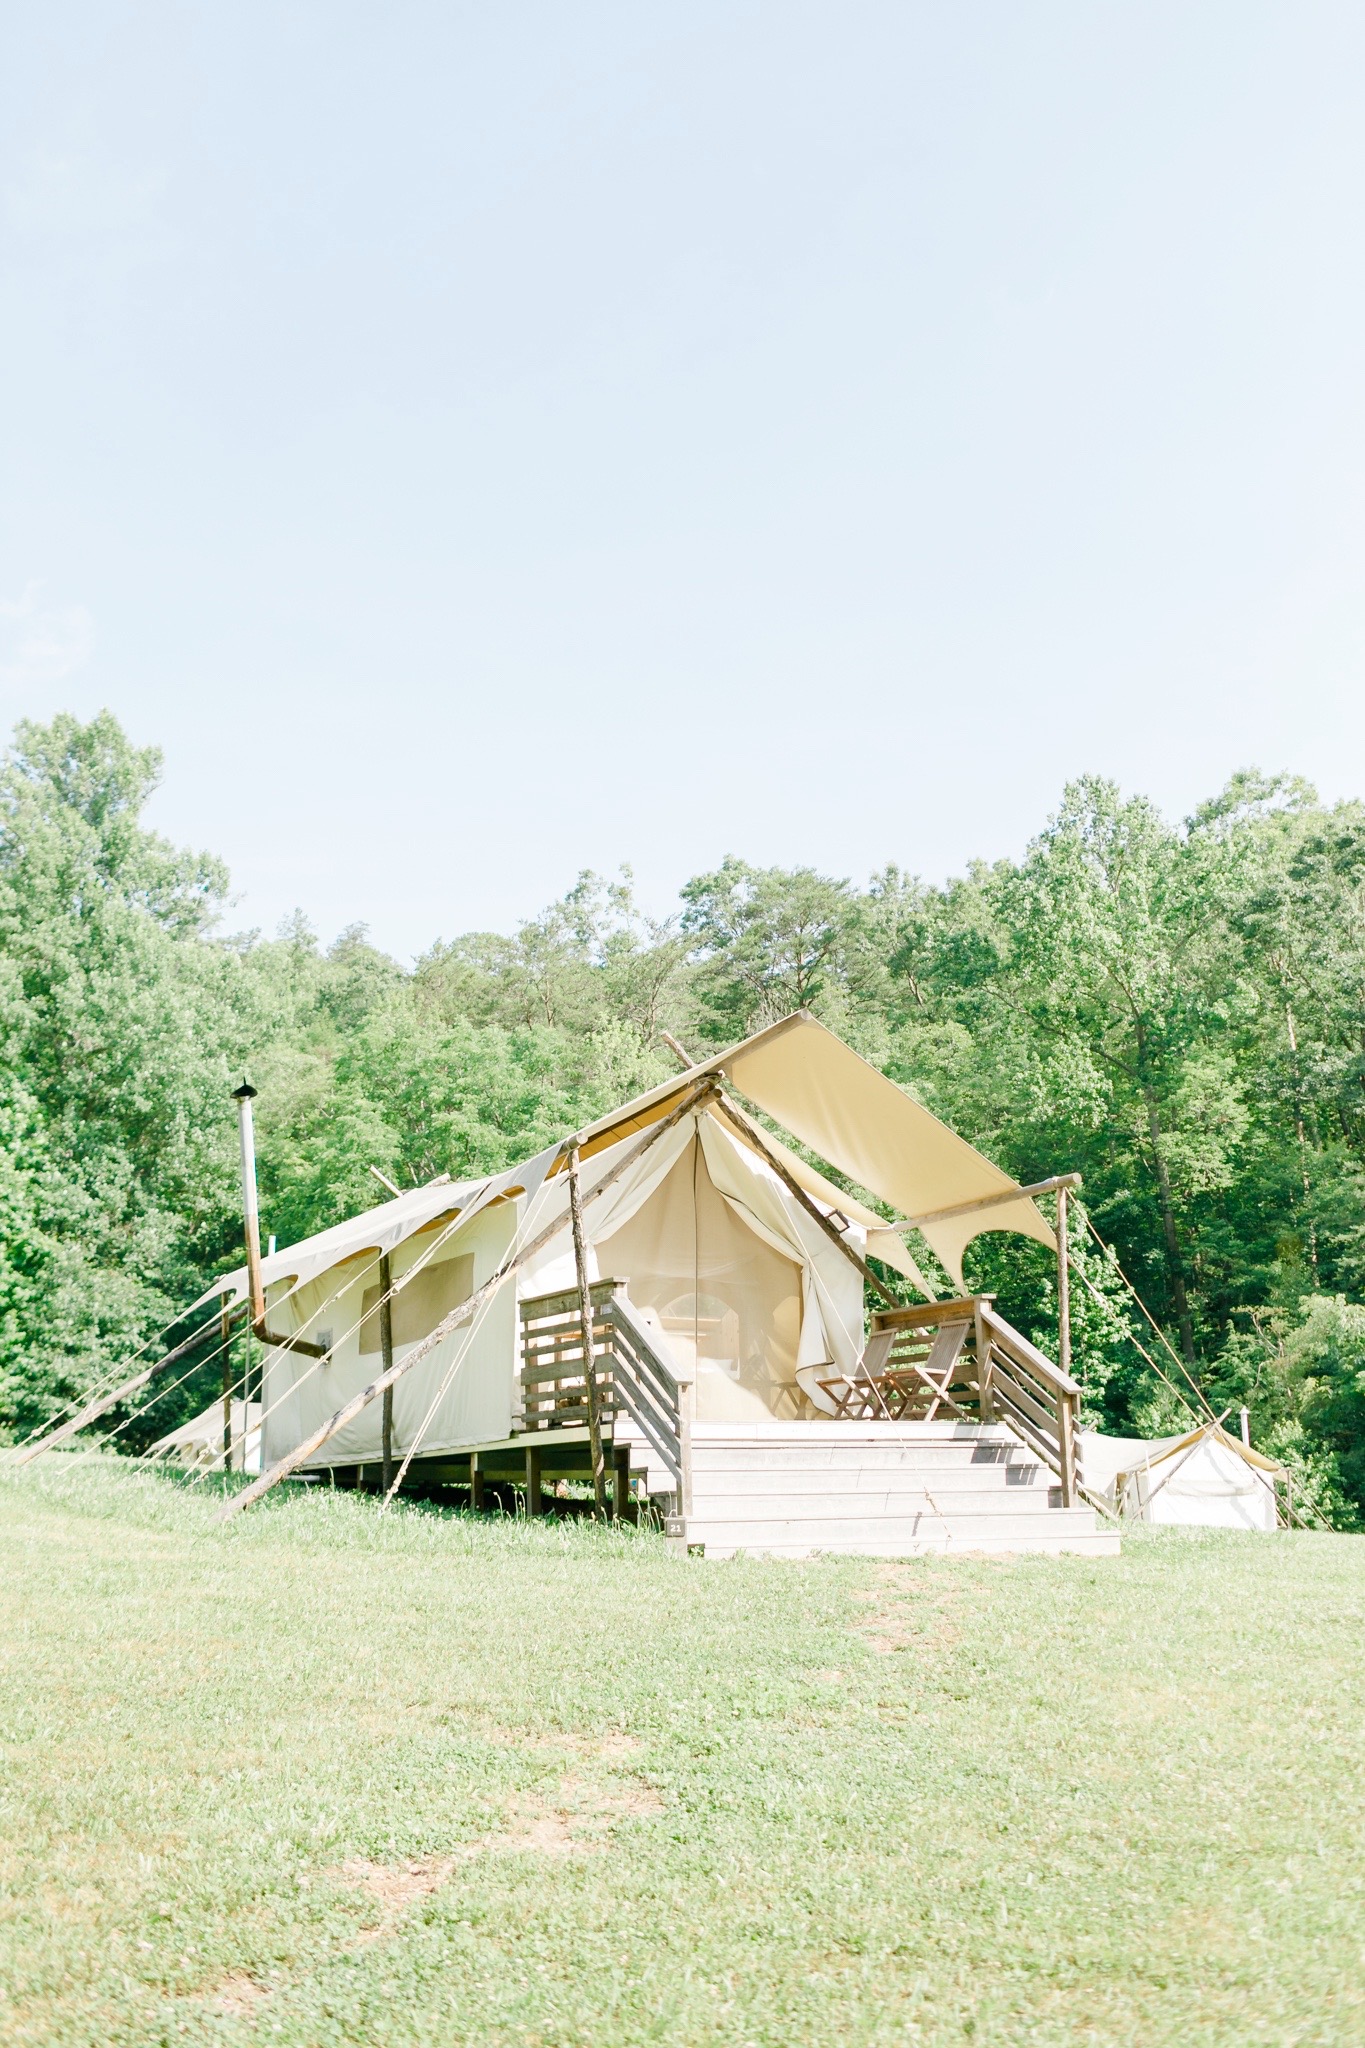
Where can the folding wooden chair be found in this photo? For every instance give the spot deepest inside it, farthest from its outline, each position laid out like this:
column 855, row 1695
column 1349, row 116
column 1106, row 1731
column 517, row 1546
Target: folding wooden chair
column 859, row 1393
column 933, row 1372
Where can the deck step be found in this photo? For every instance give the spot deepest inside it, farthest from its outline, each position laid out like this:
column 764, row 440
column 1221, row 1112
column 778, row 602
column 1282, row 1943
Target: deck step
column 862, row 1458
column 1094, row 1542
column 877, row 1482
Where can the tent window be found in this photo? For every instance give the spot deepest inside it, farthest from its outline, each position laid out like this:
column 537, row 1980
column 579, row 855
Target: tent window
column 419, row 1307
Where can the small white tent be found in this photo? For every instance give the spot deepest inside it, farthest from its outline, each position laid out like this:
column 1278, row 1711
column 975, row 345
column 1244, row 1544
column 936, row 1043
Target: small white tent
column 1206, row 1478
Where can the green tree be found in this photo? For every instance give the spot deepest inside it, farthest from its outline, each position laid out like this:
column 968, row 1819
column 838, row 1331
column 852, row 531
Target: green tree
column 119, row 1024
column 768, row 941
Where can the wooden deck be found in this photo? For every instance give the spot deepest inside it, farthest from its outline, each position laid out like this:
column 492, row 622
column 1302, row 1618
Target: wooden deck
column 964, row 1439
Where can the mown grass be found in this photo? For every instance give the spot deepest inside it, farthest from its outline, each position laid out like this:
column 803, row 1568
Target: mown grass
column 324, row 1778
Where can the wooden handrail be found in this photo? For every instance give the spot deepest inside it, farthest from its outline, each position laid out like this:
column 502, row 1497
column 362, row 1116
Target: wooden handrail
column 632, row 1375
column 1013, row 1341
column 1024, row 1406
column 931, row 1312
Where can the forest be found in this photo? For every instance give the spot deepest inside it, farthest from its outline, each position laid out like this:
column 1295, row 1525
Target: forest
column 1173, row 1009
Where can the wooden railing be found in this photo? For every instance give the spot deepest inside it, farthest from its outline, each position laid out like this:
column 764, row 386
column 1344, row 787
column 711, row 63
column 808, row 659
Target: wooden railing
column 960, row 1359
column 632, row 1378
column 1036, row 1398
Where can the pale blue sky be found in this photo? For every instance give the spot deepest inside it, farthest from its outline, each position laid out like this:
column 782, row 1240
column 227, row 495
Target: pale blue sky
column 478, row 443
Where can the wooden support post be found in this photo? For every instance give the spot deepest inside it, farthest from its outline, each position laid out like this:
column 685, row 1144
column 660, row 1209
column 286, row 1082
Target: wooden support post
column 475, row 1483
column 1063, row 1286
column 1066, row 1447
column 620, row 1457
column 687, row 1409
column 533, row 1479
column 995, row 1201
column 985, row 1399
column 225, row 1332
column 386, row 1348
column 580, row 1255
column 246, row 1397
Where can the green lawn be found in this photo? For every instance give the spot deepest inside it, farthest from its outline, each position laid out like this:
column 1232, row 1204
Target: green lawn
column 323, row 1777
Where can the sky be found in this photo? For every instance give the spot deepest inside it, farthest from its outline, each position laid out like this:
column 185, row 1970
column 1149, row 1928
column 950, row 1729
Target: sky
column 479, row 443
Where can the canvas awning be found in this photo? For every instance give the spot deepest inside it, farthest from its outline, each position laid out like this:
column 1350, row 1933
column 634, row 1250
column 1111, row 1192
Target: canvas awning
column 832, row 1100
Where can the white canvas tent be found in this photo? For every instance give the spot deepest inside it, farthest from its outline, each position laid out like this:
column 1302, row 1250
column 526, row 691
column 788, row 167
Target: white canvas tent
column 743, row 1284
column 1206, row 1477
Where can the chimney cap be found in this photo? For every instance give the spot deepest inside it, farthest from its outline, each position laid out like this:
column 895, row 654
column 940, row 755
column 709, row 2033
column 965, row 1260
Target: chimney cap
column 245, row 1092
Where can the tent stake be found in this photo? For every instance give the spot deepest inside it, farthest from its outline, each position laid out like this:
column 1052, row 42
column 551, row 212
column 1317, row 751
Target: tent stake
column 585, row 1318
column 465, row 1312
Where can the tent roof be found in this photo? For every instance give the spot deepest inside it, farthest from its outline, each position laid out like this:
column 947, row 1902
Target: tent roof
column 207, row 1427
column 814, row 1086
column 1215, row 1432
column 1104, row 1458
column 383, row 1228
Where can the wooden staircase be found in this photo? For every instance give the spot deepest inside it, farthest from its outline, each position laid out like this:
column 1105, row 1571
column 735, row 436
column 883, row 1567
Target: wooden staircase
column 879, row 1489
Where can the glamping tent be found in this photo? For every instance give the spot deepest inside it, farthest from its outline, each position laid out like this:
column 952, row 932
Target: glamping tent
column 1207, row 1477
column 736, row 1301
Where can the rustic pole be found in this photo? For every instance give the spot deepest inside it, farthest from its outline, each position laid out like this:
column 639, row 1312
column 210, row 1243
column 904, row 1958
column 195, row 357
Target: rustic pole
column 225, row 1333
column 247, row 1362
column 1063, row 1285
column 585, row 1316
column 679, row 1052
column 386, row 1348
column 1002, row 1195
column 464, row 1313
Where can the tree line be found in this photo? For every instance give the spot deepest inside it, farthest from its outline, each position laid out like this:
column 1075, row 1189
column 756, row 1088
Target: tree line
column 1174, row 1010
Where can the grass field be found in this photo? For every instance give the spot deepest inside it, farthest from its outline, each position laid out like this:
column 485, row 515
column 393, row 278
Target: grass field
column 325, row 1778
